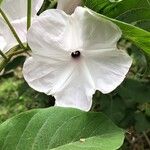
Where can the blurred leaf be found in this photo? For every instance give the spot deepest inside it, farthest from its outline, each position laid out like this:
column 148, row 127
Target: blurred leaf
column 121, row 104
column 141, row 122
column 145, row 107
column 135, row 91
column 117, row 109
column 111, row 106
column 147, row 110
column 140, row 65
column 16, row 96
column 60, row 129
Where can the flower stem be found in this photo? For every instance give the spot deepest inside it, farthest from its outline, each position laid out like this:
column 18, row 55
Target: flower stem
column 12, row 29
column 3, row 64
column 12, row 52
column 29, row 7
column 53, row 3
column 3, row 55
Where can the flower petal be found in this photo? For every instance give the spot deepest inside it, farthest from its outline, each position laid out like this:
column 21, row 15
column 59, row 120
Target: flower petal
column 73, row 81
column 17, row 9
column 108, row 68
column 80, row 31
column 52, row 26
column 46, row 77
column 68, row 81
column 93, row 32
column 2, row 43
column 78, row 91
column 68, row 5
column 8, row 37
column 2, row 40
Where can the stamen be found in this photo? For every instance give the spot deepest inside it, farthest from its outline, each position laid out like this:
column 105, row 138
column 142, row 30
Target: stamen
column 75, row 54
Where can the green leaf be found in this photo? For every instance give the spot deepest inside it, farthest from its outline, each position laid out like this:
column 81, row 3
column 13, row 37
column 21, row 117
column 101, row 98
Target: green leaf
column 113, row 10
column 134, row 15
column 139, row 17
column 141, row 122
column 60, row 129
column 144, row 24
column 135, row 91
column 136, row 35
column 97, row 5
column 111, row 106
column 125, row 6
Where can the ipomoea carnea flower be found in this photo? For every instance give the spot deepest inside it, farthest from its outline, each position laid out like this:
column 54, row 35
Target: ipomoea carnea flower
column 73, row 56
column 16, row 11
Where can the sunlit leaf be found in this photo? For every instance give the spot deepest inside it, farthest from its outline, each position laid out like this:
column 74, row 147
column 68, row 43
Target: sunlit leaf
column 60, row 129
column 114, row 10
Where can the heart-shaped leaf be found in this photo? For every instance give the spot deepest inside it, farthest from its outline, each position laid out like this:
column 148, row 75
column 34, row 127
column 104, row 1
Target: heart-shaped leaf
column 60, row 129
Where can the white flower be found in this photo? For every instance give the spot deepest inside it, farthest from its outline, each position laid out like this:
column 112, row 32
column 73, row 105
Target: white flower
column 16, row 11
column 68, row 5
column 74, row 55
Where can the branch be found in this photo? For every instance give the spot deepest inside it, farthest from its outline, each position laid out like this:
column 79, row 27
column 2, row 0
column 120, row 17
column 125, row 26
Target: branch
column 29, row 8
column 12, row 52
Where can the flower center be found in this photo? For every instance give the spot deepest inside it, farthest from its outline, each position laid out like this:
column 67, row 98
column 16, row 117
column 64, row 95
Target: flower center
column 75, row 54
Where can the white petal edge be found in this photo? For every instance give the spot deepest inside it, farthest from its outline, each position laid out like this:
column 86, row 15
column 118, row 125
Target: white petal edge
column 79, row 91
column 48, row 78
column 80, row 31
column 2, row 40
column 2, row 43
column 108, row 68
column 52, row 26
column 93, row 32
column 70, row 83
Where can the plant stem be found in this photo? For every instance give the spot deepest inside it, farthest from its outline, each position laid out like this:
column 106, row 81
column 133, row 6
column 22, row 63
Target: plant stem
column 29, row 8
column 53, row 3
column 3, row 55
column 3, row 64
column 147, row 139
column 12, row 29
column 12, row 52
